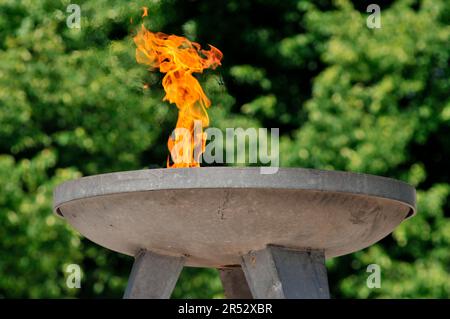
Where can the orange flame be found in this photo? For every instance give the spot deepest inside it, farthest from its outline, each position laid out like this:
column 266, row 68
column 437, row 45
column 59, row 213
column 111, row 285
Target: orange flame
column 145, row 12
column 178, row 58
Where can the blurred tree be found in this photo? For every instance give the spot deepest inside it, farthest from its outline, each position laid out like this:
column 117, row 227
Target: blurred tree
column 73, row 102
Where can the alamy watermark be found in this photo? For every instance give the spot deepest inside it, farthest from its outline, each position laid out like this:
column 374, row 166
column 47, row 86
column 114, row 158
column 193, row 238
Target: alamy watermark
column 73, row 279
column 374, row 19
column 236, row 146
column 374, row 279
column 73, row 21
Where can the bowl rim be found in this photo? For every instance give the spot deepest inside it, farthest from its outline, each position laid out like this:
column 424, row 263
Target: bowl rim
column 234, row 177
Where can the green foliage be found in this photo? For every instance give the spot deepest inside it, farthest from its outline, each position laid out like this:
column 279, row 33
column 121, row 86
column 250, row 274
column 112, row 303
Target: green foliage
column 73, row 103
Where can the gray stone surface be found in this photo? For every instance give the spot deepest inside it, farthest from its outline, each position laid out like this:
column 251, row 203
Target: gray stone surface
column 212, row 216
column 234, row 283
column 233, row 177
column 153, row 276
column 280, row 273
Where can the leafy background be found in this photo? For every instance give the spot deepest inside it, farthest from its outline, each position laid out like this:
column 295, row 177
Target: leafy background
column 345, row 97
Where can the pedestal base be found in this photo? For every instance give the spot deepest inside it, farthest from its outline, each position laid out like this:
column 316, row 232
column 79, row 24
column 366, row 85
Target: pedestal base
column 281, row 273
column 153, row 276
column 234, row 283
column 270, row 273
